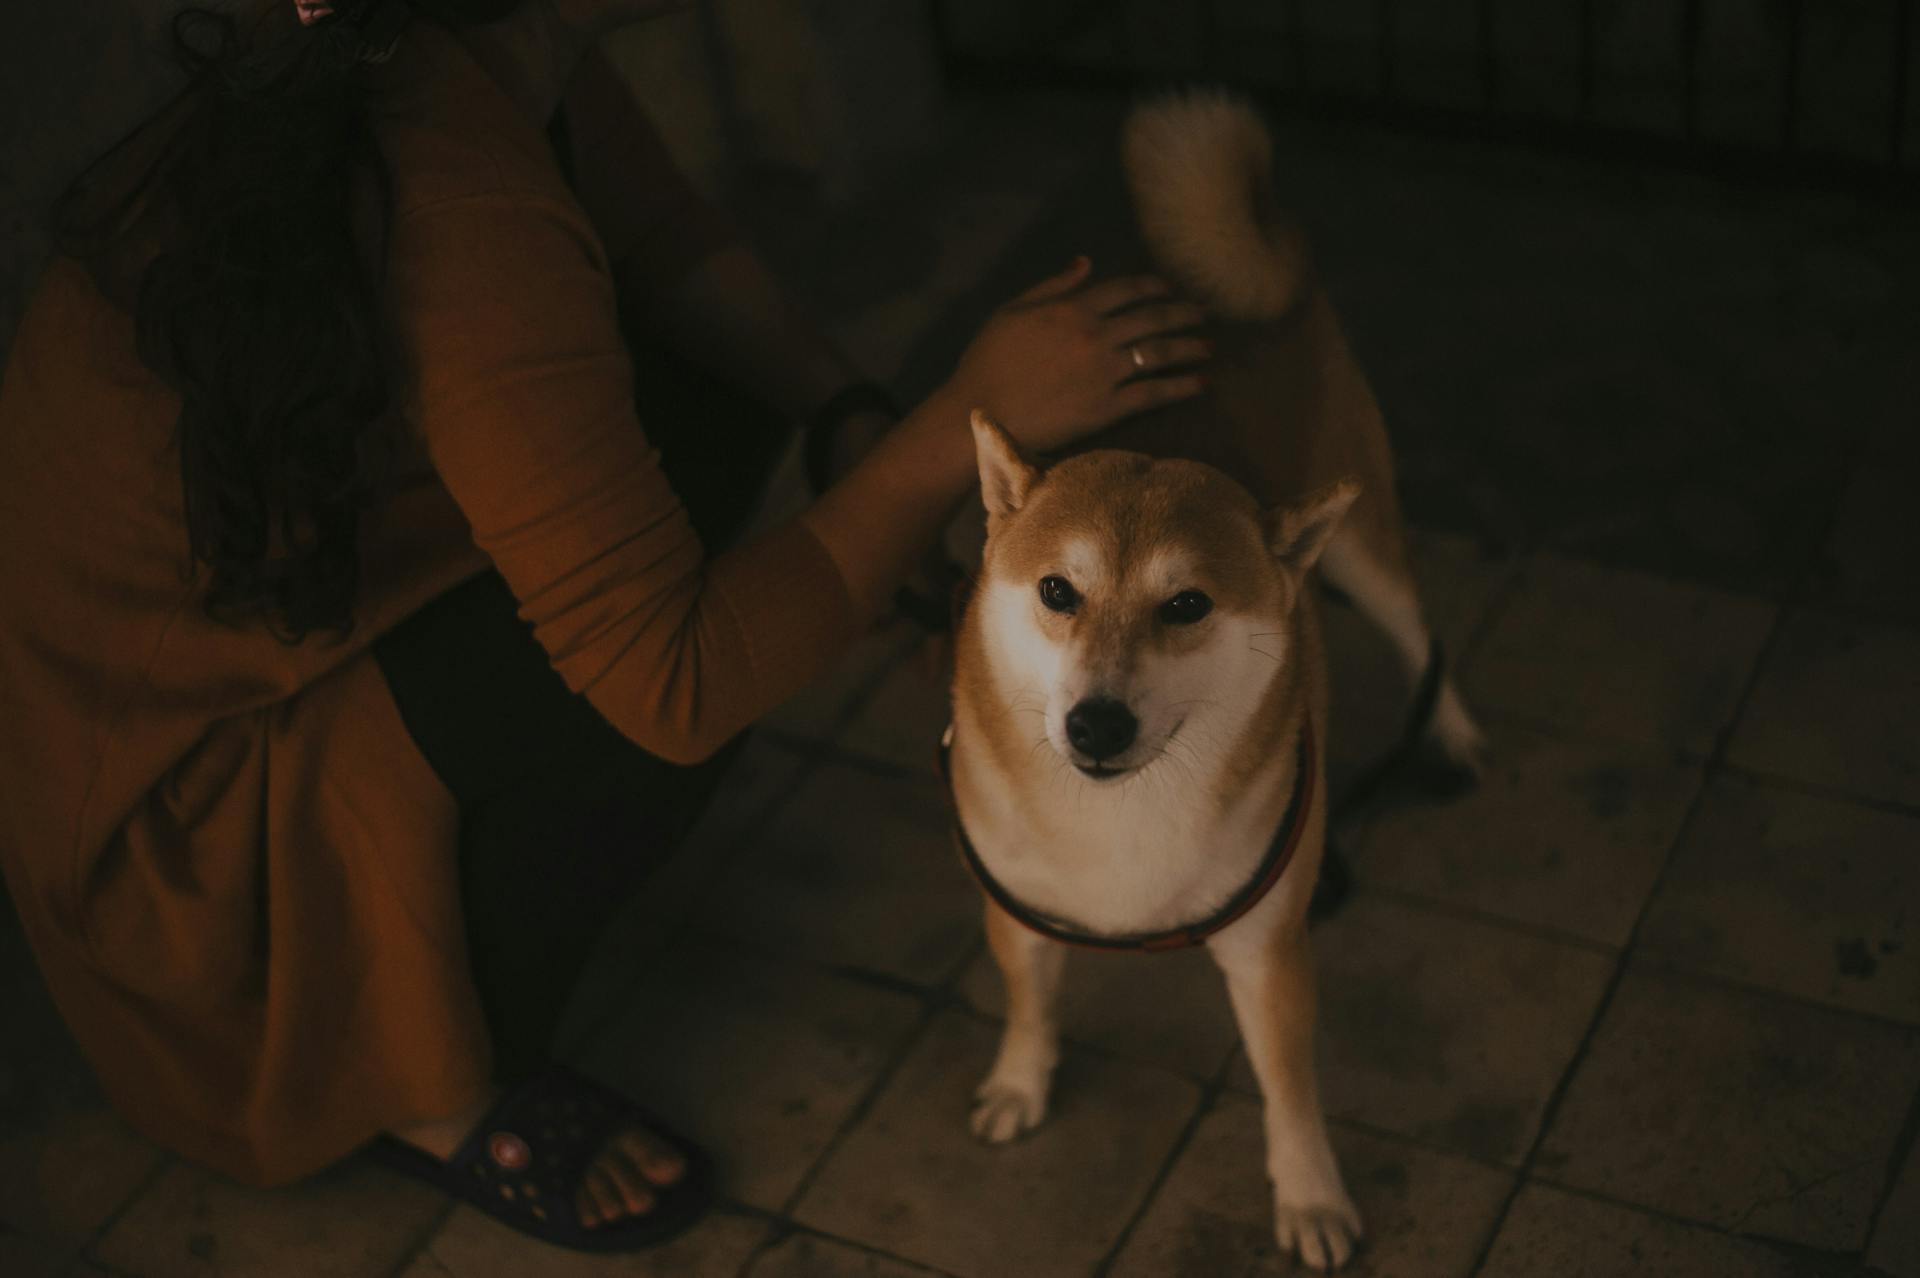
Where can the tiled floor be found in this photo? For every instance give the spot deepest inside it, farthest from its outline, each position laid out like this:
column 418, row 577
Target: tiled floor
column 1646, row 1003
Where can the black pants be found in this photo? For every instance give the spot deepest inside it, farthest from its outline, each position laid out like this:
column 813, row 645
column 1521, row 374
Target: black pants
column 561, row 817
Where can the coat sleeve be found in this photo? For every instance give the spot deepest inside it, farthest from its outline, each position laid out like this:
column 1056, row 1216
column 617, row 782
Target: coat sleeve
column 654, row 224
column 522, row 390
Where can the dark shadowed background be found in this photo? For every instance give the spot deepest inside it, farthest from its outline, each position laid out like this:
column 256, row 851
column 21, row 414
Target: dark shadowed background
column 1638, row 283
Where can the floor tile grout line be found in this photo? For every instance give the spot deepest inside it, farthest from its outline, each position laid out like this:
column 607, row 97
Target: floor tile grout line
column 85, row 1253
column 857, row 1114
column 422, row 1245
column 1906, row 1144
column 936, row 989
column 1645, row 962
column 1550, row 1110
column 785, row 1227
column 1387, row 1135
column 1622, row 963
column 68, row 1255
column 1636, row 749
column 934, row 1001
column 1779, row 595
column 1688, row 1222
column 1743, row 709
column 1364, row 1127
column 1499, row 600
column 1667, row 969
column 1204, row 1102
column 1642, row 752
column 1782, row 603
column 1100, row 1051
column 78, row 1266
column 1468, row 914
column 1212, row 1089
column 1801, row 591
column 1543, row 725
column 1820, row 790
column 1860, row 615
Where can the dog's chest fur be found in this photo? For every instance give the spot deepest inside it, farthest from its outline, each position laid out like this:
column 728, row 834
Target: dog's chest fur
column 1159, row 849
column 1132, row 856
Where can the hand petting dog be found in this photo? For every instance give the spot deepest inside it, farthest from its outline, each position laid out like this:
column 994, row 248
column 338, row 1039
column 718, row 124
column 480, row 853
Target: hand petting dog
column 1067, row 357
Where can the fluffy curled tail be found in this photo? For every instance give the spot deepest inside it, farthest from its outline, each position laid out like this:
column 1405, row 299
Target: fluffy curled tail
column 1201, row 169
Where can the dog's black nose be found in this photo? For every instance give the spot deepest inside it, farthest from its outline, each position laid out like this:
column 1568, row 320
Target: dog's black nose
column 1101, row 727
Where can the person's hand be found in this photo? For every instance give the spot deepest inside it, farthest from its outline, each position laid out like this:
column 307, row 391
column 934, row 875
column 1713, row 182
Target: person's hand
column 1066, row 358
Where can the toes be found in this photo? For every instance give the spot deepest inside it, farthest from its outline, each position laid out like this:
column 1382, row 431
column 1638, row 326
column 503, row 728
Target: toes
column 612, row 1190
column 1313, row 1250
column 1001, row 1113
column 636, row 1195
column 599, row 1200
column 1323, row 1237
column 1336, row 1244
column 1286, row 1233
column 622, row 1180
column 656, row 1160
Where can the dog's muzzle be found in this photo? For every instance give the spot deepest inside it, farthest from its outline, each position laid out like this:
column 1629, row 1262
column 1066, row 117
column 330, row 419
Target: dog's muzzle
column 1100, row 729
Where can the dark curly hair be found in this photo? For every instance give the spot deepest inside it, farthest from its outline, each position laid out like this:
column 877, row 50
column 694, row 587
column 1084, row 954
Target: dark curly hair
column 247, row 242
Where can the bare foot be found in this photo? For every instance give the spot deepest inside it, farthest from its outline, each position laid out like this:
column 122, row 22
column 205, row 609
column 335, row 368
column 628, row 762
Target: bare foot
column 619, row 1183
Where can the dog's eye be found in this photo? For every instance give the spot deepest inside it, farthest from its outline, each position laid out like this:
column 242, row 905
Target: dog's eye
column 1058, row 594
column 1185, row 608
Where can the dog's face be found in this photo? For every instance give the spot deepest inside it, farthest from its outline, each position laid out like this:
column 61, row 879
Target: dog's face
column 1138, row 608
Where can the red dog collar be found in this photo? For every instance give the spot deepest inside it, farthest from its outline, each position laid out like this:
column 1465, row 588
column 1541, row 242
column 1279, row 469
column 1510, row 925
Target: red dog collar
column 1272, row 866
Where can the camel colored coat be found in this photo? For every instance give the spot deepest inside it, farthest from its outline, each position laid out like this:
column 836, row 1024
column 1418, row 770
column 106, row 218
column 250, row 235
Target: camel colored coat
column 234, row 866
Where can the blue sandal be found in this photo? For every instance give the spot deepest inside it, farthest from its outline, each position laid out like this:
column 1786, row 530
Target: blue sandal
column 524, row 1162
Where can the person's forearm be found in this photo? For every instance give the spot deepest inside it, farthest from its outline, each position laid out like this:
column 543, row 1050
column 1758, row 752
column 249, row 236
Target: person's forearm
column 729, row 313
column 878, row 521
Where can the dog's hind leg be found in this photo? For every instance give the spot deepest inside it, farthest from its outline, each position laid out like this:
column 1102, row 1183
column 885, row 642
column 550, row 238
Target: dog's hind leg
column 1013, row 1097
column 1382, row 588
column 1270, row 980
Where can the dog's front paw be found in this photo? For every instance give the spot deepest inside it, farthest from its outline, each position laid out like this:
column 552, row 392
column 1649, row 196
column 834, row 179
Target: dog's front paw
column 1323, row 1234
column 1002, row 1110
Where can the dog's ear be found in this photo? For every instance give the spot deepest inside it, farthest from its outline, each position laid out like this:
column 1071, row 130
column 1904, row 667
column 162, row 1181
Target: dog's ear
column 1005, row 476
column 1298, row 534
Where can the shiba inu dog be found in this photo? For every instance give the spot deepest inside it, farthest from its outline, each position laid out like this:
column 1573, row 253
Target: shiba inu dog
column 1140, row 692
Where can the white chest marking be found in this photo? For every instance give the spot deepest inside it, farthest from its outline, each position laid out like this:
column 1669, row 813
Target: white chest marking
column 1149, row 850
